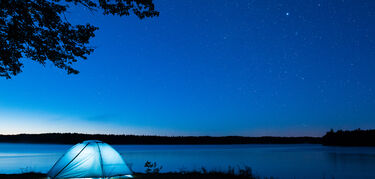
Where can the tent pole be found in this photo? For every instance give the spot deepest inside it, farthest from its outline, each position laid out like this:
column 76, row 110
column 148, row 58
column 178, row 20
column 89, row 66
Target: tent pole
column 71, row 160
column 101, row 160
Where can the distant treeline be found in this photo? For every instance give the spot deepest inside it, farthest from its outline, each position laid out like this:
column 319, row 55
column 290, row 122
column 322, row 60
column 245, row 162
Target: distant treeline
column 356, row 137
column 72, row 138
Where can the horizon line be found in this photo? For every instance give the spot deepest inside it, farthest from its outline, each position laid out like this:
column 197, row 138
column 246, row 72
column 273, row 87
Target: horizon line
column 154, row 135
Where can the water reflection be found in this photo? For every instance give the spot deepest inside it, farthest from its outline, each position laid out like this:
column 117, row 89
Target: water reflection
column 282, row 161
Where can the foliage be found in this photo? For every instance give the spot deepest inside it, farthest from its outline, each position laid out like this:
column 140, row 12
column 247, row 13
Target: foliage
column 152, row 167
column 31, row 175
column 38, row 30
column 232, row 173
column 73, row 138
column 356, row 137
column 246, row 174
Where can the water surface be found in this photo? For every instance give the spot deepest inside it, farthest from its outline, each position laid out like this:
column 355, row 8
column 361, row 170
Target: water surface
column 281, row 161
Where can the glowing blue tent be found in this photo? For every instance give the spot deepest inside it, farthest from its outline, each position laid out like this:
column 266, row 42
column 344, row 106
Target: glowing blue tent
column 90, row 159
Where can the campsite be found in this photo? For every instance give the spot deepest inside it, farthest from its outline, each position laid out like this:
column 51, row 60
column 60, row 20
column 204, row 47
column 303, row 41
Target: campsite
column 187, row 89
column 96, row 159
column 188, row 160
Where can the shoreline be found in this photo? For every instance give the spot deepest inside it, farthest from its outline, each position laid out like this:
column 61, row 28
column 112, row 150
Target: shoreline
column 243, row 174
column 74, row 138
column 348, row 138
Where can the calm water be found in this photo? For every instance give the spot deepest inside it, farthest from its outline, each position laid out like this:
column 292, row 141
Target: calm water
column 281, row 161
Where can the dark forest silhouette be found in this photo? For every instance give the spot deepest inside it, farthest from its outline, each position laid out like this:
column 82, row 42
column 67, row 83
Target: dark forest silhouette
column 73, row 138
column 339, row 138
column 38, row 30
column 356, row 137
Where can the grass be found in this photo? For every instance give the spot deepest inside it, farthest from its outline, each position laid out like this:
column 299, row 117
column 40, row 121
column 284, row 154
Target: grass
column 31, row 175
column 245, row 173
column 193, row 175
column 189, row 175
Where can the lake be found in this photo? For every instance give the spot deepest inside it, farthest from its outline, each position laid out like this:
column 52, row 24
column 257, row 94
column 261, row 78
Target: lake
column 281, row 161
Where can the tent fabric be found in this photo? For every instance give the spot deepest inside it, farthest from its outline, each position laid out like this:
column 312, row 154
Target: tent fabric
column 90, row 159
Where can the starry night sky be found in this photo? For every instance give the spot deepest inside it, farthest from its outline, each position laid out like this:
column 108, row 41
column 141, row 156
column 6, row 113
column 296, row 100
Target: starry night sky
column 209, row 67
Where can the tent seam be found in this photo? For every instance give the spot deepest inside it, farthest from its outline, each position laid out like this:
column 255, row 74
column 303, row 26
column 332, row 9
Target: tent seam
column 71, row 160
column 101, row 160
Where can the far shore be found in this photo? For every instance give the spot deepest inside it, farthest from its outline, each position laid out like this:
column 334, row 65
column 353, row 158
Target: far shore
column 73, row 138
column 356, row 137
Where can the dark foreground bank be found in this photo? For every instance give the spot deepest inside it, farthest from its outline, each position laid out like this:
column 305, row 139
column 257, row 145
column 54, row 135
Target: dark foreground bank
column 186, row 175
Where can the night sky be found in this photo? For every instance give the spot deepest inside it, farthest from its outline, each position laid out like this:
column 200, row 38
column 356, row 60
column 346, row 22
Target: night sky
column 209, row 67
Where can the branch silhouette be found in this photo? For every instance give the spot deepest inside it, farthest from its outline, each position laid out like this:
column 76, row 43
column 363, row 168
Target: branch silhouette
column 38, row 30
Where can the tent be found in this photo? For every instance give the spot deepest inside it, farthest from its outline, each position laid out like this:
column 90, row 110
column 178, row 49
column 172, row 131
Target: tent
column 90, row 159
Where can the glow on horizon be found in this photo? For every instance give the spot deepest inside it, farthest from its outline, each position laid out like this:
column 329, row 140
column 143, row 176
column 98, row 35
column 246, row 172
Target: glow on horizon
column 17, row 122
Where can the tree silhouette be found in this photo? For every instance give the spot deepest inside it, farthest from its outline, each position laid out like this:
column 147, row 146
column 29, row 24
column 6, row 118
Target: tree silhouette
column 356, row 137
column 38, row 30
